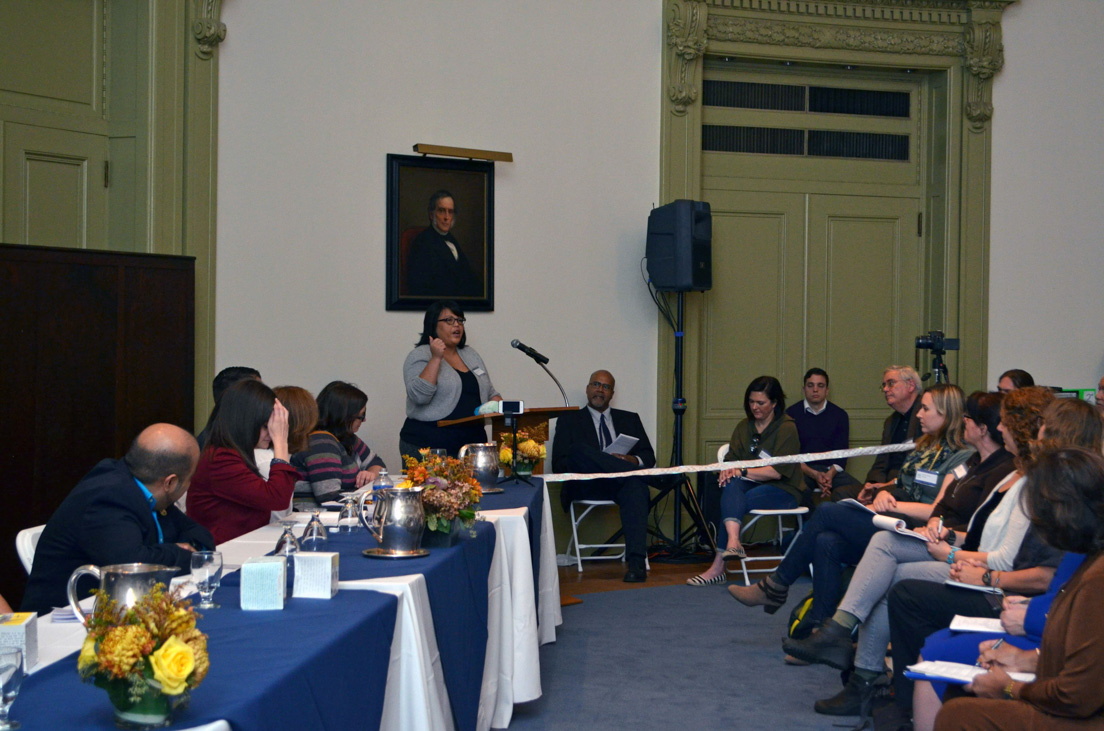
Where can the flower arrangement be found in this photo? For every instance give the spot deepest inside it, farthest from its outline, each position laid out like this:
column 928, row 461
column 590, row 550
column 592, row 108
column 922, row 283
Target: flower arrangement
column 147, row 656
column 449, row 489
column 529, row 445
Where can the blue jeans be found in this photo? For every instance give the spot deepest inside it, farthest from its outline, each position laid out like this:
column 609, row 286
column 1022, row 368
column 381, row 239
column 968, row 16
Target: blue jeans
column 835, row 537
column 739, row 496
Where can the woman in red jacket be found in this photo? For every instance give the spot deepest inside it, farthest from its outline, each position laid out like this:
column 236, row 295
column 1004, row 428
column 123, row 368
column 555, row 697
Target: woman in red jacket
column 228, row 496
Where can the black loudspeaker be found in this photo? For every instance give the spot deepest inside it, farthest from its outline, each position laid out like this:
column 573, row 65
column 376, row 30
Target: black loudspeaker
column 679, row 248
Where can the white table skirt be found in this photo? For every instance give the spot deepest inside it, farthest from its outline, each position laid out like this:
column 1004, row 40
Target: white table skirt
column 415, row 696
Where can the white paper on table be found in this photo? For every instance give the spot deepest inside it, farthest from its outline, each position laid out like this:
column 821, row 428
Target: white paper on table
column 623, row 444
column 976, row 624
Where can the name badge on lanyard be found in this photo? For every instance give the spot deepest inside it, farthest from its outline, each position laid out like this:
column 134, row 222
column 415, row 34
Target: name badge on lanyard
column 763, row 454
column 927, row 477
column 960, row 471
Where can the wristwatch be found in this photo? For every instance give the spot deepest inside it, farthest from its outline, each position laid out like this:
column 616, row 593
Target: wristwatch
column 1008, row 694
column 987, row 577
column 743, row 472
column 951, row 536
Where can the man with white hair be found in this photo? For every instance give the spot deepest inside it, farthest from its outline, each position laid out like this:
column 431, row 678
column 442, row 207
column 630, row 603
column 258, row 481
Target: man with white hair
column 902, row 388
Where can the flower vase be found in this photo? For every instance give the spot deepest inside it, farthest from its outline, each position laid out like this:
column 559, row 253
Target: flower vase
column 153, row 710
column 524, row 467
column 439, row 539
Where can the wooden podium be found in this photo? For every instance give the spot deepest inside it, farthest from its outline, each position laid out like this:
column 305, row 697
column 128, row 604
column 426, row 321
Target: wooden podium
column 526, row 420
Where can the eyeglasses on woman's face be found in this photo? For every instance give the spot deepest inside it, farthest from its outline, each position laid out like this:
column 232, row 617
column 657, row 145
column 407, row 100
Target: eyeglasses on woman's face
column 453, row 320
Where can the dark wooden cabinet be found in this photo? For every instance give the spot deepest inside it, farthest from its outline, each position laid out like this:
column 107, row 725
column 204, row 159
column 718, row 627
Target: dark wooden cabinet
column 94, row 346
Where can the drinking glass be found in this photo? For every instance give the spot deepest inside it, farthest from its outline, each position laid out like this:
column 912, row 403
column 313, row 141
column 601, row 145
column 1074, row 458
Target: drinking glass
column 347, row 520
column 207, row 575
column 442, row 453
column 288, row 544
column 11, row 677
column 315, row 536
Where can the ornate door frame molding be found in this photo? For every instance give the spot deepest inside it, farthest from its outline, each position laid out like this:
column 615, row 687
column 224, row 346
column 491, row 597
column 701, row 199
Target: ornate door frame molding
column 959, row 38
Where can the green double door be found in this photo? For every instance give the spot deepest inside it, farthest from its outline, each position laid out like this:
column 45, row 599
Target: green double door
column 803, row 280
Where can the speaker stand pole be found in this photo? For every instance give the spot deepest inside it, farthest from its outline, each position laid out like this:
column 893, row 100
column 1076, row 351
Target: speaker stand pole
column 678, row 405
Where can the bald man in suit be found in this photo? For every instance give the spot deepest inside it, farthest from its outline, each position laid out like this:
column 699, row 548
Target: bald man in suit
column 580, row 438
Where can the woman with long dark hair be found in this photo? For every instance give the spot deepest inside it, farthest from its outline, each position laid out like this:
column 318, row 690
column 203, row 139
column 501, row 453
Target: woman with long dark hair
column 445, row 379
column 336, row 460
column 228, row 496
column 766, row 432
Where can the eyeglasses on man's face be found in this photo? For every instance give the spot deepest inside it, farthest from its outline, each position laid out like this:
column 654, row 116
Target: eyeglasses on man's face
column 601, row 386
column 453, row 320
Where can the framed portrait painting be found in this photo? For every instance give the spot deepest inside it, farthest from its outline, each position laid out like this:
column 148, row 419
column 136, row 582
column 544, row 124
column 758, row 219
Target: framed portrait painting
column 440, row 232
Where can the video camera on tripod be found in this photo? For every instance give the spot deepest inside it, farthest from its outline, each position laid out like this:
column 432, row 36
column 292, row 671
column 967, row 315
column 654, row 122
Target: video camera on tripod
column 938, row 345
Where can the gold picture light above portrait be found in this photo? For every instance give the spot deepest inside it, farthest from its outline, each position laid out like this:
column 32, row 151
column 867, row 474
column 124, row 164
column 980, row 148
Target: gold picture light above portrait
column 469, row 153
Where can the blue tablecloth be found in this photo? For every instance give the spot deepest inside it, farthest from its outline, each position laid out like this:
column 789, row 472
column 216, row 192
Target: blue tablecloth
column 316, row 665
column 456, row 581
column 523, row 496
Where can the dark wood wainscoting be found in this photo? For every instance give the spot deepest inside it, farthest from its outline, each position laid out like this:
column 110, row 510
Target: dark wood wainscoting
column 94, row 346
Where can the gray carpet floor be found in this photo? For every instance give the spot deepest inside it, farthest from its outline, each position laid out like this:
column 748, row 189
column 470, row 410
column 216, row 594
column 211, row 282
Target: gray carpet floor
column 676, row 657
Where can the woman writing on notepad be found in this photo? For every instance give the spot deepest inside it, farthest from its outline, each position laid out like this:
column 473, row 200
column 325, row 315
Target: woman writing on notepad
column 1064, row 496
column 1000, row 557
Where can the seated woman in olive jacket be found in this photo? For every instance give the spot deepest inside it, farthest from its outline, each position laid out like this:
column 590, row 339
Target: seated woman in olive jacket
column 766, row 432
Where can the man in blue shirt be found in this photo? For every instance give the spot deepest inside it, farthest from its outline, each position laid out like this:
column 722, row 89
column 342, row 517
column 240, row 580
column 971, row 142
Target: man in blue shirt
column 823, row 427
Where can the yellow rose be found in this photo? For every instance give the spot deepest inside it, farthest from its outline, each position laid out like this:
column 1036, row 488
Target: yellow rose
column 87, row 654
column 405, row 485
column 172, row 664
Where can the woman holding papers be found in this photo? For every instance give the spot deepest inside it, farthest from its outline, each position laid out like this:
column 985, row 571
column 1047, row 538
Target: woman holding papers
column 1065, row 498
column 766, row 432
column 997, row 545
column 228, row 496
column 445, row 379
column 838, row 533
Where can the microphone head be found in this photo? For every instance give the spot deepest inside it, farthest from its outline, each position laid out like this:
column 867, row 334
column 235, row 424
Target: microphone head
column 515, row 342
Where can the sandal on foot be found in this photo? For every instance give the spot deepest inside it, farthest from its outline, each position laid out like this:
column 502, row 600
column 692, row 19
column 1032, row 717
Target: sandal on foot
column 700, row 580
column 737, row 552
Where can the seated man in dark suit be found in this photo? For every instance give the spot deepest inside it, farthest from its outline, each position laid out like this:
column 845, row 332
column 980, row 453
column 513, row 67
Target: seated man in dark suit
column 121, row 512
column 580, row 438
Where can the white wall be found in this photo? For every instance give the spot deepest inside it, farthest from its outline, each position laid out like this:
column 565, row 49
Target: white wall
column 1046, row 304
column 314, row 95
column 312, row 98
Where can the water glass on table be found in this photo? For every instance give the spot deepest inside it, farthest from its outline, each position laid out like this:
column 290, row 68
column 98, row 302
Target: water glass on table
column 11, row 678
column 315, row 535
column 347, row 520
column 207, row 575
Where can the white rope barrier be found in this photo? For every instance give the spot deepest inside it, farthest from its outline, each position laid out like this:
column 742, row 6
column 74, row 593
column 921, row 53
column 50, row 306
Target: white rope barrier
column 749, row 463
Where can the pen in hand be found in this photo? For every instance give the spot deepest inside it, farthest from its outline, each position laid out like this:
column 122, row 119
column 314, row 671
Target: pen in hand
column 996, row 644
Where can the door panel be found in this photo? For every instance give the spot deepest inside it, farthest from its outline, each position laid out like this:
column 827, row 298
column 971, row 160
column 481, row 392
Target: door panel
column 753, row 315
column 865, row 298
column 800, row 280
column 53, row 187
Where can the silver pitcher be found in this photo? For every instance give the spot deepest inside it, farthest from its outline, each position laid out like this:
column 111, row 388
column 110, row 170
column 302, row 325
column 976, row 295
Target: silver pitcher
column 398, row 520
column 126, row 583
column 483, row 461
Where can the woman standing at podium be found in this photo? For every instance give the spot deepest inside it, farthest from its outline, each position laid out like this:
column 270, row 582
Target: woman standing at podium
column 445, row 379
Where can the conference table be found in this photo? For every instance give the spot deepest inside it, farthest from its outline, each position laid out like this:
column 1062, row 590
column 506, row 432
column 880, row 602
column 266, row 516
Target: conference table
column 446, row 641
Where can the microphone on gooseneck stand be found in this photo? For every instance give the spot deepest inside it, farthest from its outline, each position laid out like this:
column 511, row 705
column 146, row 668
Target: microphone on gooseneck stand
column 529, row 351
column 541, row 360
